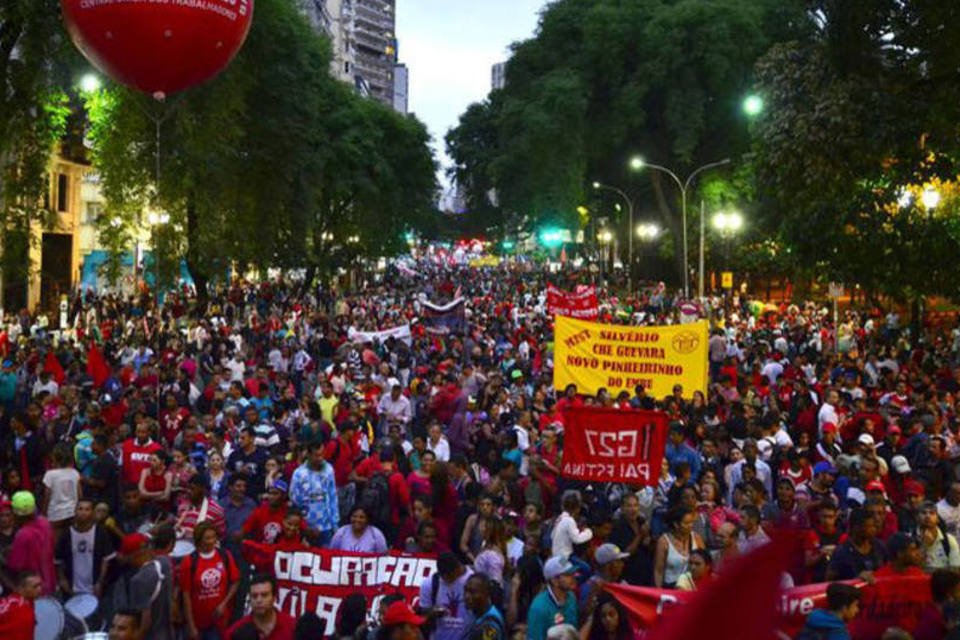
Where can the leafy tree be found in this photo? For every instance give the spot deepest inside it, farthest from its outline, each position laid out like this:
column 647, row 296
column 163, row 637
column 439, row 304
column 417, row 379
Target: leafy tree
column 273, row 163
column 36, row 63
column 860, row 120
column 605, row 79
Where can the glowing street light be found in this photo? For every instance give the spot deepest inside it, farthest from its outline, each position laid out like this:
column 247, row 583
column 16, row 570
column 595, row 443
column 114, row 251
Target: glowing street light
column 90, row 82
column 637, row 163
column 753, row 105
column 930, row 198
column 605, row 236
column 728, row 223
column 647, row 231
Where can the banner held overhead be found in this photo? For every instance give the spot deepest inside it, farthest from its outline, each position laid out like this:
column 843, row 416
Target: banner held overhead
column 619, row 358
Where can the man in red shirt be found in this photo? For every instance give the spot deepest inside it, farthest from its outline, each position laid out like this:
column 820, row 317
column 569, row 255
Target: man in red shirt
column 341, row 452
column 136, row 454
column 266, row 522
column 267, row 621
column 17, row 619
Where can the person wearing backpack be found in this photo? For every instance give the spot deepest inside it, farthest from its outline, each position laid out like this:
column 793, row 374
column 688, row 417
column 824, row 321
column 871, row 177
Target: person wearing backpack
column 385, row 495
column 209, row 578
column 488, row 623
column 843, row 605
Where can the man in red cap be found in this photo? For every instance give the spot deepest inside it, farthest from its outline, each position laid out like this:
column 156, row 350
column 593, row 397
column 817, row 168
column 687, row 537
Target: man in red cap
column 401, row 623
column 269, row 622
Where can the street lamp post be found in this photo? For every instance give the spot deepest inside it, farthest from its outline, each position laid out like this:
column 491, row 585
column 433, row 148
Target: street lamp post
column 647, row 232
column 623, row 194
column 637, row 163
column 604, row 238
column 727, row 224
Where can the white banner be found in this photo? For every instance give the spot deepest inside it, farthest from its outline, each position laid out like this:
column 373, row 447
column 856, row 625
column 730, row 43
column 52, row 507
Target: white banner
column 401, row 333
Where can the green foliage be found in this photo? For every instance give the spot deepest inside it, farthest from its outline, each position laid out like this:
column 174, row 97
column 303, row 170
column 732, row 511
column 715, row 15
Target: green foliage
column 863, row 109
column 273, row 163
column 34, row 62
column 604, row 79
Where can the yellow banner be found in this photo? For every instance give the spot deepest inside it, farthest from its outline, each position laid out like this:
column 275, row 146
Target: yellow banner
column 485, row 261
column 618, row 358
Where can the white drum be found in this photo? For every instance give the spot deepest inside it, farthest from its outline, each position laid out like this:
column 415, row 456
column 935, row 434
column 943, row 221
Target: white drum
column 182, row 549
column 81, row 609
column 50, row 618
column 96, row 635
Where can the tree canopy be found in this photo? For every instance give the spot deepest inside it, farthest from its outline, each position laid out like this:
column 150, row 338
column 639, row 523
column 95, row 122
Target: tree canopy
column 603, row 80
column 274, row 163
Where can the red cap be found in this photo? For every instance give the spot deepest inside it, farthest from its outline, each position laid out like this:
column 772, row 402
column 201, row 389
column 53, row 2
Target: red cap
column 913, row 488
column 400, row 612
column 132, row 543
column 895, row 429
column 829, row 427
column 874, row 485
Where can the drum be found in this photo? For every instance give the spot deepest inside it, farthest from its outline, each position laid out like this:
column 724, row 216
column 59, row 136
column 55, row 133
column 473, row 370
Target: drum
column 182, row 549
column 95, row 635
column 81, row 610
column 50, row 618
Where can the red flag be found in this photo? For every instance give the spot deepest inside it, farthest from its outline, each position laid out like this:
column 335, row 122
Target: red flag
column 52, row 366
column 749, row 585
column 97, row 366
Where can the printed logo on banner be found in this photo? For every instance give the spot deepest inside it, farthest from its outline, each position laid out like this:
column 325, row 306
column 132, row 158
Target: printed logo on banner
column 685, row 342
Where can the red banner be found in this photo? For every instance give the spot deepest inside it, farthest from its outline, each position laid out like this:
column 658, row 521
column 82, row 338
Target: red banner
column 319, row 579
column 582, row 304
column 891, row 602
column 613, row 445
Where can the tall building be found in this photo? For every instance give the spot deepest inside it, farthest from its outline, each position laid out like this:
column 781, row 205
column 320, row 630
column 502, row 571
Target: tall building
column 374, row 45
column 363, row 39
column 401, row 85
column 498, row 76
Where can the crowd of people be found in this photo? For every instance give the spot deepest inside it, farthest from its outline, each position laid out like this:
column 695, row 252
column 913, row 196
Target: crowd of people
column 145, row 448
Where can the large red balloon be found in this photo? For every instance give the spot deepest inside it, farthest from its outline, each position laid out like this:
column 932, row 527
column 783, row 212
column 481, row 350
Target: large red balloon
column 159, row 46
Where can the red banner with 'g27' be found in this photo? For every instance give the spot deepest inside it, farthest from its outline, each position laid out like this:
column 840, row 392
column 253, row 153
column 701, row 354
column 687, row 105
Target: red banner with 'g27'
column 613, row 445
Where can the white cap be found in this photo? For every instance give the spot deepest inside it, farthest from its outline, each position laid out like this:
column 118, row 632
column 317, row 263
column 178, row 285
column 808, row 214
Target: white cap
column 866, row 438
column 900, row 464
column 556, row 567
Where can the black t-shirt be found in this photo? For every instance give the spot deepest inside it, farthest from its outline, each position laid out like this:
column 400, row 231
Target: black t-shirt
column 847, row 562
column 103, row 468
column 638, row 568
column 253, row 465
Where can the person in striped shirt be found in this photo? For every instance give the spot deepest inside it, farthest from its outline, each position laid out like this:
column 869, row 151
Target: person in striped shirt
column 199, row 507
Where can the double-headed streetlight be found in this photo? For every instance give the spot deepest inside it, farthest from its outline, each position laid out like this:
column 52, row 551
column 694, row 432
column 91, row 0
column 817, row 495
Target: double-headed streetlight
column 638, row 164
column 623, row 194
column 728, row 224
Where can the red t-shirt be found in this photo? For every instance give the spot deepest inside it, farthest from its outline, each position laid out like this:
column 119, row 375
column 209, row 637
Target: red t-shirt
column 136, row 458
column 17, row 619
column 207, row 585
column 341, row 455
column 282, row 630
column 265, row 523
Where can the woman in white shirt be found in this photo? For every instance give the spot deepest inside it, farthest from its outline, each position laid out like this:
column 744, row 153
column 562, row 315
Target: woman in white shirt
column 63, row 489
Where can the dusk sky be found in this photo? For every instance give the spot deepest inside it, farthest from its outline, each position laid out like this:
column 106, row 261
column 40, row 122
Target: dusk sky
column 450, row 45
